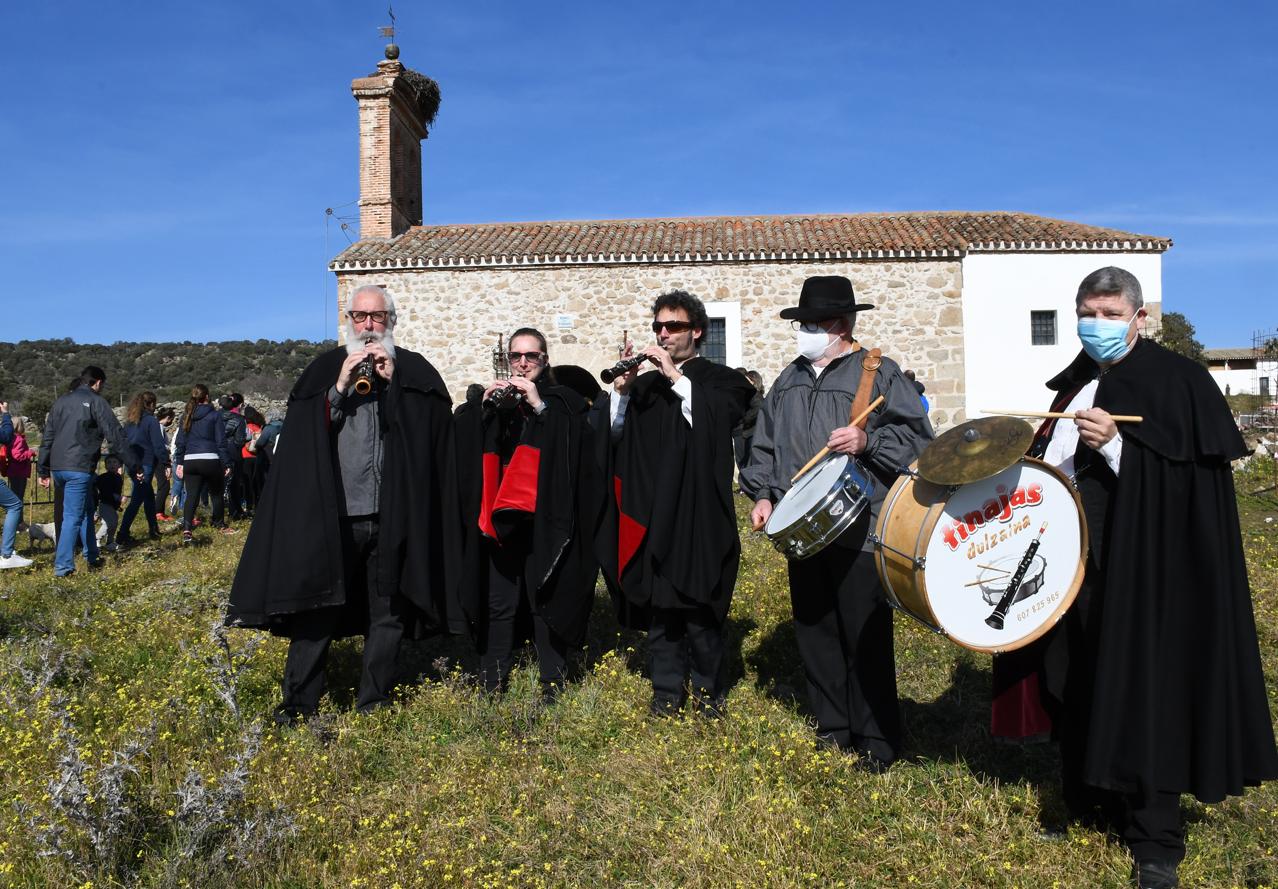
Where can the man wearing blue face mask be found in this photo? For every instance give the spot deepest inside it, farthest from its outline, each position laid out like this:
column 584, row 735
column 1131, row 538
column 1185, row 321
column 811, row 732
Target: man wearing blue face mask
column 1153, row 679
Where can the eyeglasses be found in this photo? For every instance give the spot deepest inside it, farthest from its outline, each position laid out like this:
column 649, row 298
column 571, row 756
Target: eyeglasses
column 530, row 357
column 361, row 317
column 814, row 326
column 672, row 326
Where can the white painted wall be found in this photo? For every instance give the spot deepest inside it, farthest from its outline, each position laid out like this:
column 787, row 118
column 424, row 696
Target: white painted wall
column 1247, row 382
column 1000, row 290
column 730, row 312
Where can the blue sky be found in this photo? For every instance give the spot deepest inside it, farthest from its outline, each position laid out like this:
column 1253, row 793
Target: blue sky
column 166, row 167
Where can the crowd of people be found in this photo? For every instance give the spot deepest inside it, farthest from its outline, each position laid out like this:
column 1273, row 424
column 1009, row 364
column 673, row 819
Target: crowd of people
column 390, row 515
column 86, row 455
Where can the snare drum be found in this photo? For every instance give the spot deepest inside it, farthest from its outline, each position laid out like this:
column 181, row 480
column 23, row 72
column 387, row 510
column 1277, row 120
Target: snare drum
column 946, row 555
column 820, row 507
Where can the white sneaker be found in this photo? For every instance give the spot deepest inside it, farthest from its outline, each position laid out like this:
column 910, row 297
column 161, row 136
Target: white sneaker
column 15, row 561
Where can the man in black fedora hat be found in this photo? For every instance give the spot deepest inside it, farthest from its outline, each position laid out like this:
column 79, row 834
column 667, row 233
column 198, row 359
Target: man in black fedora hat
column 842, row 623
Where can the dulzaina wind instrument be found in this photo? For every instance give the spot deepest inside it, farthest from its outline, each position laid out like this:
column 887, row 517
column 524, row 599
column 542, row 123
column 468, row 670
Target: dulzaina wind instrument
column 507, row 397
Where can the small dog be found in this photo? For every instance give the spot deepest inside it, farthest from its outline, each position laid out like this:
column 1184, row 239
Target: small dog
column 48, row 531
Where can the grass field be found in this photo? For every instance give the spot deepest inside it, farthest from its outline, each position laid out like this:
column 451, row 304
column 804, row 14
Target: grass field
column 133, row 752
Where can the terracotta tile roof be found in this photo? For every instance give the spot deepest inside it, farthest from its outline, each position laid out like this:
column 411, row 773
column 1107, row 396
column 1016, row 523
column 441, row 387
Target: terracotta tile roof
column 1243, row 354
column 734, row 239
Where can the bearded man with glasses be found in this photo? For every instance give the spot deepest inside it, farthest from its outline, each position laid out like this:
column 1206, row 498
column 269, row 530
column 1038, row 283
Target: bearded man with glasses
column 357, row 522
column 668, row 543
column 842, row 623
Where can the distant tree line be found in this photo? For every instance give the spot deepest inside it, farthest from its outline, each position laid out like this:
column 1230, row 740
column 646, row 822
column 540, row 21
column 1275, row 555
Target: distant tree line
column 1178, row 335
column 34, row 372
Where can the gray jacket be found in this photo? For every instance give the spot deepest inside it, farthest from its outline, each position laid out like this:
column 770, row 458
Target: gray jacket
column 802, row 409
column 73, row 434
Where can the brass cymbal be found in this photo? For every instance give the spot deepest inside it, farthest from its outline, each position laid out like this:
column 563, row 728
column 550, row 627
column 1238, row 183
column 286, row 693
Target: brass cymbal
column 975, row 450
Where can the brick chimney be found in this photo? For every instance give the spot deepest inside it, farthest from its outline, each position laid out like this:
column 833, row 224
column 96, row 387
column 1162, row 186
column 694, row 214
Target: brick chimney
column 396, row 108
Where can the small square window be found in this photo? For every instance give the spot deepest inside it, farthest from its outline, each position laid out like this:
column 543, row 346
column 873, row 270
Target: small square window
column 1043, row 328
column 714, row 343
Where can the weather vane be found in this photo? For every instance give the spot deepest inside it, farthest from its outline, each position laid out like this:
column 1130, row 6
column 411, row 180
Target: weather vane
column 389, row 30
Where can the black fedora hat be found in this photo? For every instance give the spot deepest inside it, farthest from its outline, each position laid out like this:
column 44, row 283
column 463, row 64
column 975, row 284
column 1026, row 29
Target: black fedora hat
column 825, row 296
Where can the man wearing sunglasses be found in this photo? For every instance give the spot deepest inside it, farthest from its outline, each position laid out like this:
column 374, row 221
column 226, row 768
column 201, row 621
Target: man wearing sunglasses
column 668, row 545
column 349, row 538
column 842, row 623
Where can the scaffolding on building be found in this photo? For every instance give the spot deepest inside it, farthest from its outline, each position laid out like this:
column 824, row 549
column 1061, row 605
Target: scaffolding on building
column 1264, row 346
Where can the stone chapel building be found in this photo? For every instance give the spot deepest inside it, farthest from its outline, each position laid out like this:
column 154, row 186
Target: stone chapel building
column 979, row 304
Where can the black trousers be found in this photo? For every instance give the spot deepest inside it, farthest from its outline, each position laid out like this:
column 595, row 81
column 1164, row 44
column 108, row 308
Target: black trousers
column 162, row 486
column 233, row 490
column 685, row 650
column 251, row 487
column 508, row 597
column 311, row 633
column 843, row 627
column 202, row 477
column 1149, row 824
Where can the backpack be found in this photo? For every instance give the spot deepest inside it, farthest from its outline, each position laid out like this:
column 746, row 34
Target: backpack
column 234, row 429
column 4, row 459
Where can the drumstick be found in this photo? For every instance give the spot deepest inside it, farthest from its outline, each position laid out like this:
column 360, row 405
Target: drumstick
column 988, row 579
column 1056, row 415
column 821, row 454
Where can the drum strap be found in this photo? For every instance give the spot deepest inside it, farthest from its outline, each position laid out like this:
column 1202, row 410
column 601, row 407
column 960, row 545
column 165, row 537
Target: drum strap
column 869, row 367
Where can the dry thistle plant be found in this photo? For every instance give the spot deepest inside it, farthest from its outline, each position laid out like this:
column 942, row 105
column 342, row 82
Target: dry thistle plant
column 101, row 820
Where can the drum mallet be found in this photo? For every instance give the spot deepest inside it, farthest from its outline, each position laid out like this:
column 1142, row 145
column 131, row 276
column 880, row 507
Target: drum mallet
column 824, row 452
column 1056, row 415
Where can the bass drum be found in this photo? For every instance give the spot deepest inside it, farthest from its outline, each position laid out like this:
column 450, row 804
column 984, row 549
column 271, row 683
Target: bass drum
column 946, row 555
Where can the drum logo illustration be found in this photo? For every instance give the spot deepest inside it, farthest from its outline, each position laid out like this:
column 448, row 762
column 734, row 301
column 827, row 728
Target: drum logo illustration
column 1001, row 558
column 1000, row 508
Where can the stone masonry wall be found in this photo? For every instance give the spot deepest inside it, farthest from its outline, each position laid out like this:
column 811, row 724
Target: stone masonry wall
column 453, row 316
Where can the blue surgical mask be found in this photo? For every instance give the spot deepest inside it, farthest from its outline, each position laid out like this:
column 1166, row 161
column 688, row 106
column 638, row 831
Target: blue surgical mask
column 1105, row 340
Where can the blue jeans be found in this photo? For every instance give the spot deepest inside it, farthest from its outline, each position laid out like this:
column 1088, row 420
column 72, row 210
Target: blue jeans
column 143, row 494
column 12, row 505
column 177, row 491
column 77, row 520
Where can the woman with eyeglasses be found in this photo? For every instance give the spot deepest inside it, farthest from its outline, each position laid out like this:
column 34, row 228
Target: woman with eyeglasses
column 530, row 496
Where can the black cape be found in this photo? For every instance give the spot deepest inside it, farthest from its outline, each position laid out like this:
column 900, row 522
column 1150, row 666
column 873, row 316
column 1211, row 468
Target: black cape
column 1178, row 703
column 669, row 534
column 292, row 560
column 530, row 480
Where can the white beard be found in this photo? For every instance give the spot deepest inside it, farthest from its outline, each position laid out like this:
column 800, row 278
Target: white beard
column 357, row 339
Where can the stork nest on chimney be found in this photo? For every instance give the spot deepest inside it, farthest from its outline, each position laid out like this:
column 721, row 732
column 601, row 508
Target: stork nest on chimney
column 425, row 95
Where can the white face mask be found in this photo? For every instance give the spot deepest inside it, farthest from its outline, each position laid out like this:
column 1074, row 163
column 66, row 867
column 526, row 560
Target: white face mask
column 814, row 344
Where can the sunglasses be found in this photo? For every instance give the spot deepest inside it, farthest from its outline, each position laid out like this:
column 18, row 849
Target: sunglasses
column 672, row 326
column 530, row 357
column 361, row 317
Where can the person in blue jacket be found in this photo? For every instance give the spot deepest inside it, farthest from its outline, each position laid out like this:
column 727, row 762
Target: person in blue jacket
column 203, row 459
column 146, row 441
